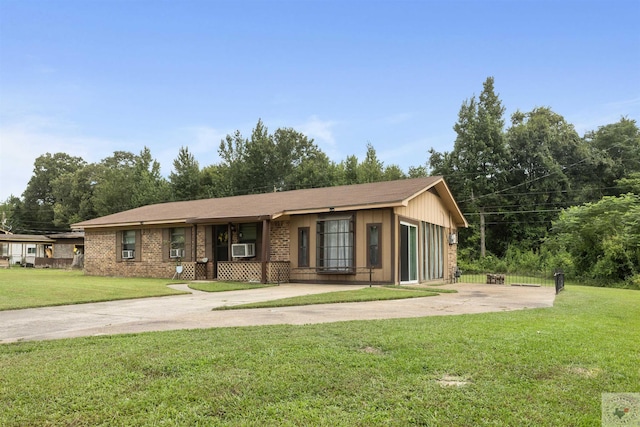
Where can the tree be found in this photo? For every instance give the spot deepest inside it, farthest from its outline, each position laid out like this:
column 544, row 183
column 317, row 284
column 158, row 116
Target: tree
column 74, row 193
column 11, row 215
column 284, row 160
column 371, row 169
column 38, row 197
column 126, row 181
column 114, row 183
column 618, row 145
column 476, row 168
column 232, row 165
column 150, row 187
column 393, row 173
column 603, row 238
column 348, row 171
column 539, row 142
column 300, row 162
column 417, row 172
column 185, row 178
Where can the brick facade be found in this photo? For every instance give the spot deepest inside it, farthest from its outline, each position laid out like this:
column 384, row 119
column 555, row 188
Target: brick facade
column 452, row 261
column 101, row 253
column 279, row 237
column 101, row 256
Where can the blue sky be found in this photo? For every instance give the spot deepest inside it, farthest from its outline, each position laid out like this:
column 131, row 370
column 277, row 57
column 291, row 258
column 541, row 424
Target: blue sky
column 91, row 77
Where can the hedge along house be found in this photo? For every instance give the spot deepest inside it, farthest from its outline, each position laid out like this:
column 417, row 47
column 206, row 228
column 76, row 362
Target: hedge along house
column 386, row 232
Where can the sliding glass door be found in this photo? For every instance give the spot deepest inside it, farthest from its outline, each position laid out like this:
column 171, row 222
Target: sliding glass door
column 408, row 253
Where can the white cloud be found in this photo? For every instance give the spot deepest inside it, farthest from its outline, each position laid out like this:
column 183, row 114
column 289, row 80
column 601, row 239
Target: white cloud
column 22, row 142
column 319, row 130
column 604, row 114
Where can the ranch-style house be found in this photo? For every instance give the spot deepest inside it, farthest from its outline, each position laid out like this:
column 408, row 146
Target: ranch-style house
column 385, row 232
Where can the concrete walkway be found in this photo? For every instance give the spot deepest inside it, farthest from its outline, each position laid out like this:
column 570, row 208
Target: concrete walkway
column 194, row 310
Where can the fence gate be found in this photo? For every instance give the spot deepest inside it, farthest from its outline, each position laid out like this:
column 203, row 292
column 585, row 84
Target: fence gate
column 559, row 278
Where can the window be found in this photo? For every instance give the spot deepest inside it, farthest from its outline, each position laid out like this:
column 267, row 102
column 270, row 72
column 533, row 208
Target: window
column 31, row 250
column 303, row 247
column 432, row 251
column 176, row 244
column 374, row 258
column 128, row 243
column 248, row 233
column 335, row 252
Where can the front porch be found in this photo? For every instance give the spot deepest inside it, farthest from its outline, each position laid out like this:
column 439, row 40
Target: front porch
column 239, row 271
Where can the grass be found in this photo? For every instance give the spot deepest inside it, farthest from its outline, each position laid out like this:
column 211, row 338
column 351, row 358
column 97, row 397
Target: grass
column 536, row 367
column 30, row 287
column 358, row 295
column 225, row 286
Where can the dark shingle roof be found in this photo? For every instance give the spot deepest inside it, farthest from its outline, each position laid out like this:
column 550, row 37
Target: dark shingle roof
column 274, row 205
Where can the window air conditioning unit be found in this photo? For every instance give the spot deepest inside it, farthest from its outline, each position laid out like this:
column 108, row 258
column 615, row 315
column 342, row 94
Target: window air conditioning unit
column 243, row 250
column 453, row 239
column 127, row 254
column 176, row 253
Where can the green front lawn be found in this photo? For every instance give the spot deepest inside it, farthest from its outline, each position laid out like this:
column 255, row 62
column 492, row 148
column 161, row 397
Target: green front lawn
column 33, row 287
column 358, row 295
column 536, row 367
column 225, row 286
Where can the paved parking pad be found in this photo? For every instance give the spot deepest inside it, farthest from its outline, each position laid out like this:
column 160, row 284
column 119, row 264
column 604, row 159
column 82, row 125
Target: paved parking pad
column 194, row 310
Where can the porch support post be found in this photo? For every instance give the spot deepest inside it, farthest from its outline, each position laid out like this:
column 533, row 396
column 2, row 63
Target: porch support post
column 394, row 256
column 266, row 248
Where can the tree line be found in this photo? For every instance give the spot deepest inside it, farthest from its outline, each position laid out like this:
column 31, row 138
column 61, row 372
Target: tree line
column 65, row 189
column 536, row 189
column 515, row 183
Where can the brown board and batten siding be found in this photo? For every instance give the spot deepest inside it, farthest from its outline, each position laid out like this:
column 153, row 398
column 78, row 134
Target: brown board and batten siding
column 362, row 219
column 429, row 207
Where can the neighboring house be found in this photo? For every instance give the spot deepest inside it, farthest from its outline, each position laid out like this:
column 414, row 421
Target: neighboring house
column 23, row 249
column 53, row 250
column 386, row 232
column 66, row 249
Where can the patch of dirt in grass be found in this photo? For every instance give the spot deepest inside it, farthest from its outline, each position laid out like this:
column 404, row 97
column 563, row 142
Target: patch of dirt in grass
column 372, row 350
column 584, row 372
column 452, row 381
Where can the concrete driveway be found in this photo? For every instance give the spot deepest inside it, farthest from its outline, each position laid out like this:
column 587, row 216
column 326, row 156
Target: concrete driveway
column 194, row 310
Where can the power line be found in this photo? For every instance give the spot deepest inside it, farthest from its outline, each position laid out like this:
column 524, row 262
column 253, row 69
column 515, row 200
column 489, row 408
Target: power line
column 512, row 212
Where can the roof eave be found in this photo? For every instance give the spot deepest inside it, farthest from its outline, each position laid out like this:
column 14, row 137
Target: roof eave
column 80, row 226
column 345, row 208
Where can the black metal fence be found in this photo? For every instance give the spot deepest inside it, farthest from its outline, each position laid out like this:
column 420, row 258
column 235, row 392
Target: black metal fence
column 550, row 278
